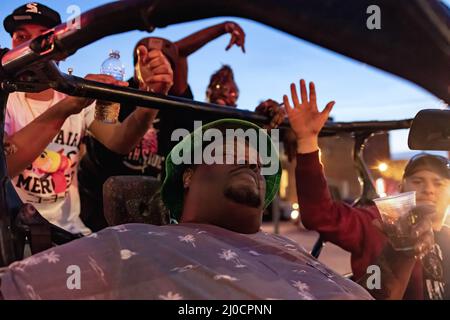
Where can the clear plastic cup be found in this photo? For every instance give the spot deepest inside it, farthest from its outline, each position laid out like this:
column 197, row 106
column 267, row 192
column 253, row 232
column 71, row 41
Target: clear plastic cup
column 396, row 213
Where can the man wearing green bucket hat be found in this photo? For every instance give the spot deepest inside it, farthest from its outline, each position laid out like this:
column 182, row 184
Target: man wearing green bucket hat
column 232, row 187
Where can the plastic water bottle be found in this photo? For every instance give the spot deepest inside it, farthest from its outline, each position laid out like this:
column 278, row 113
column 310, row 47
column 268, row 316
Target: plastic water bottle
column 105, row 111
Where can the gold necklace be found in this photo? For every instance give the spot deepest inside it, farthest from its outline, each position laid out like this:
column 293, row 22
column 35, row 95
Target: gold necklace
column 31, row 109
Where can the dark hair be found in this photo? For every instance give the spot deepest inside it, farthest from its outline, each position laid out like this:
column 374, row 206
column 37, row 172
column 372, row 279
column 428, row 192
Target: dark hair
column 223, row 75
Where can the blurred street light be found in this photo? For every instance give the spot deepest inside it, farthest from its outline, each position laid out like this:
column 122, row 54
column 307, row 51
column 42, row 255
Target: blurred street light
column 383, row 167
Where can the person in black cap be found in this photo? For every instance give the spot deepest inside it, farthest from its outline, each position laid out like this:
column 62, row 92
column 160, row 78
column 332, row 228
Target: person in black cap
column 353, row 228
column 29, row 21
column 45, row 129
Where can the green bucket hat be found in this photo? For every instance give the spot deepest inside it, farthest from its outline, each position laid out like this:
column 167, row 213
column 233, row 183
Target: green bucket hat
column 172, row 191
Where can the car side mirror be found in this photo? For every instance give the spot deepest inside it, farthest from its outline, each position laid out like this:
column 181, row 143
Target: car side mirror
column 430, row 130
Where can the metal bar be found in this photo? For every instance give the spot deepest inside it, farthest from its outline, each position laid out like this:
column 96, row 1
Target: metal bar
column 76, row 86
column 368, row 191
column 80, row 87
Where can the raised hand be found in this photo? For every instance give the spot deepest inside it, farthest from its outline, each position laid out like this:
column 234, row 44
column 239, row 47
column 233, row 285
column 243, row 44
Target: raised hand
column 153, row 71
column 305, row 118
column 237, row 35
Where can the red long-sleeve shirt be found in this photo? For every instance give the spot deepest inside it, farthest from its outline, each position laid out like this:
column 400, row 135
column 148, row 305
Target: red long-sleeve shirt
column 347, row 227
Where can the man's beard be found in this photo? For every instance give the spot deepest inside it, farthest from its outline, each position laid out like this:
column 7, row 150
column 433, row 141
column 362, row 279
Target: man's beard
column 243, row 195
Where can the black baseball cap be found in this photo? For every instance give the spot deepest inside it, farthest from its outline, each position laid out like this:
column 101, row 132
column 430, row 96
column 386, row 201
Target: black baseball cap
column 426, row 161
column 34, row 13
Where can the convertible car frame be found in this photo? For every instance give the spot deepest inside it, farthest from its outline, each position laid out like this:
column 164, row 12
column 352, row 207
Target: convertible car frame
column 413, row 43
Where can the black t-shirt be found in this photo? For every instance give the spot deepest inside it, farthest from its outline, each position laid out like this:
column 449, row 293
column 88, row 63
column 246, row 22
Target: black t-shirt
column 436, row 268
column 146, row 158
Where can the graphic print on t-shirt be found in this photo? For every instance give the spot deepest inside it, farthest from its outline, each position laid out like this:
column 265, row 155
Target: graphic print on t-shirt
column 54, row 165
column 49, row 177
column 432, row 263
column 145, row 154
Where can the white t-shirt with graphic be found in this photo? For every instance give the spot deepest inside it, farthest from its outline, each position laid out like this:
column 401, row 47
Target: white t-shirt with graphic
column 50, row 182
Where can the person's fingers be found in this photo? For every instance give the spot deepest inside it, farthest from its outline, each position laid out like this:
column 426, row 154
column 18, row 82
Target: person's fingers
column 141, row 52
column 294, row 95
column 243, row 35
column 237, row 39
column 240, row 37
column 162, row 69
column 160, row 78
column 158, row 61
column 229, row 45
column 312, row 95
column 328, row 108
column 145, row 58
column 122, row 83
column 287, row 105
column 233, row 41
column 155, row 53
column 100, row 78
column 422, row 227
column 118, row 83
column 153, row 58
column 104, row 78
column 303, row 93
column 238, row 28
